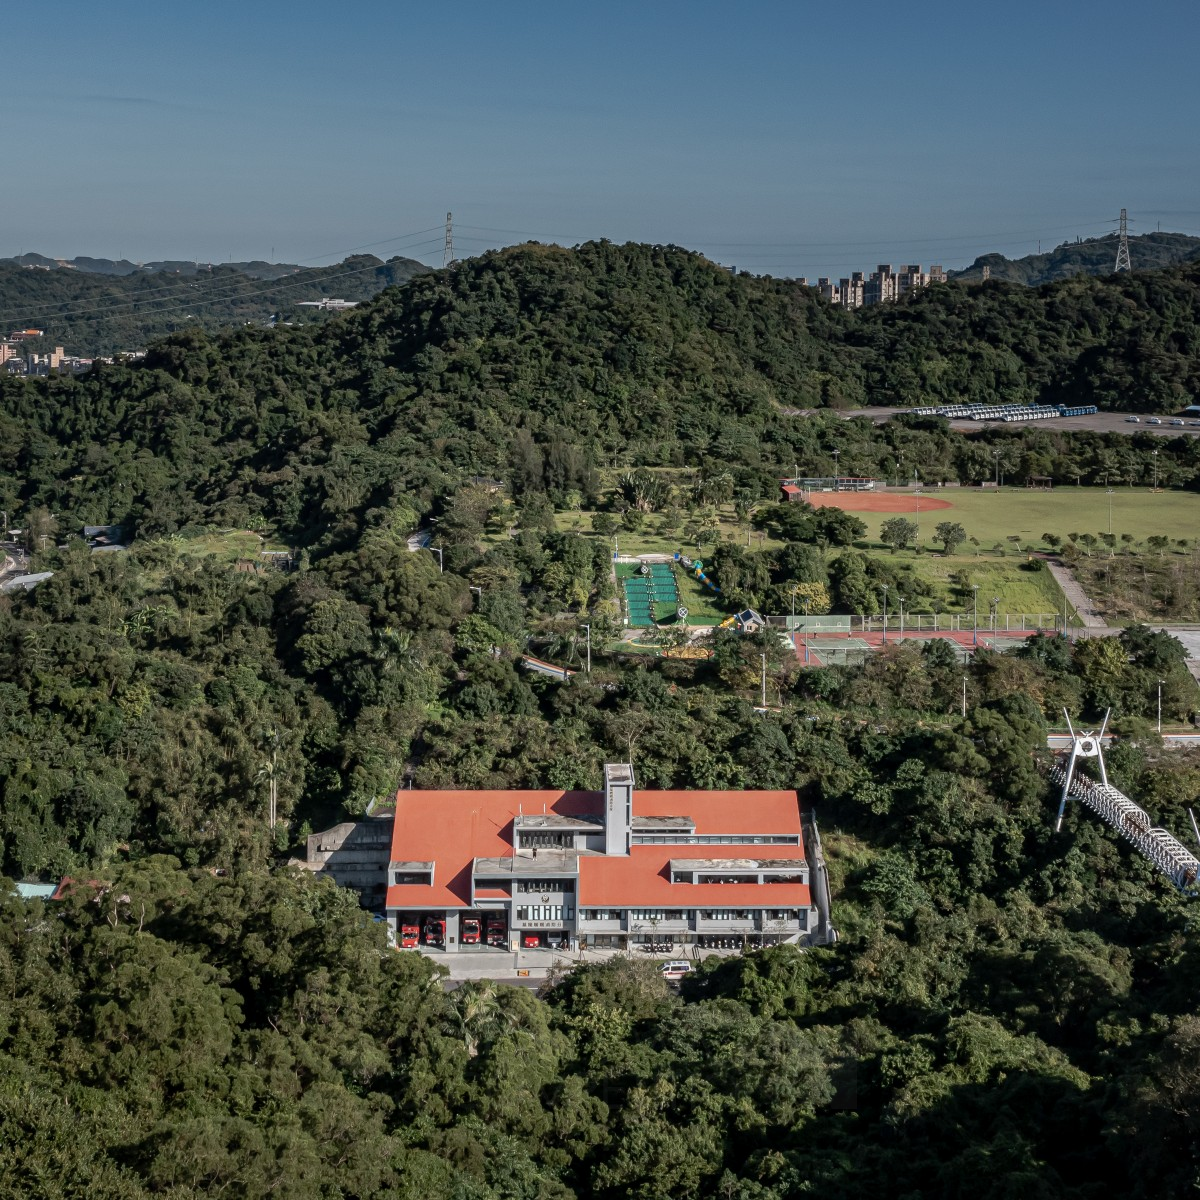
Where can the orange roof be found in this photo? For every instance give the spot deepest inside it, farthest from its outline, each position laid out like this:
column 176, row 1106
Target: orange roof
column 453, row 828
column 645, row 878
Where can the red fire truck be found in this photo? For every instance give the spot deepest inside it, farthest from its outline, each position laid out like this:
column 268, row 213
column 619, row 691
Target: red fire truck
column 410, row 935
column 469, row 933
column 497, row 930
column 435, row 931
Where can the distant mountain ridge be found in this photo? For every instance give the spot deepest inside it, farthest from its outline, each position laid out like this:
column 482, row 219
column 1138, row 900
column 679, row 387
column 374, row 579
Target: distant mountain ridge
column 95, row 312
column 256, row 269
column 1088, row 256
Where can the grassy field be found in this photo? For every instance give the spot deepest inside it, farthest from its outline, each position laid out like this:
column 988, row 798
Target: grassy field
column 1020, row 591
column 228, row 545
column 992, row 516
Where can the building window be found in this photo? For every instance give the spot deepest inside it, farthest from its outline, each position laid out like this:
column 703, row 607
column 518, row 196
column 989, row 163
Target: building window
column 411, row 877
column 545, row 885
column 600, row 914
column 727, row 879
column 725, row 914
column 654, row 914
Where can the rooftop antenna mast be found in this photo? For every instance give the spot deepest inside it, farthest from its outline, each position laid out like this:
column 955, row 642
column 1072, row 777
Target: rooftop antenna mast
column 448, row 252
column 1123, row 246
column 1168, row 854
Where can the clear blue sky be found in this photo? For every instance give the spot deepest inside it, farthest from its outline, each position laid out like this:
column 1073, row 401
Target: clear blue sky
column 784, row 137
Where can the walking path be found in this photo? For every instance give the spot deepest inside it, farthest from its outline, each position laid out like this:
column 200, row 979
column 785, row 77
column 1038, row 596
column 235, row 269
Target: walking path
column 1076, row 596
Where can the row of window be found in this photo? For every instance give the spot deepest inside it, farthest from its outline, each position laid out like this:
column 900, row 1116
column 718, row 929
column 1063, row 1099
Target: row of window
column 545, row 885
column 666, row 914
column 530, row 841
column 411, row 877
column 545, row 912
column 716, row 839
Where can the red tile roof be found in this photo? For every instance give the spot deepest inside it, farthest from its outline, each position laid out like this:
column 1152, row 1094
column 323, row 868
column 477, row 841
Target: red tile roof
column 453, row 828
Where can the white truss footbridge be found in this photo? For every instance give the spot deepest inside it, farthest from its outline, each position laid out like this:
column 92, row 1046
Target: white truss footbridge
column 1165, row 851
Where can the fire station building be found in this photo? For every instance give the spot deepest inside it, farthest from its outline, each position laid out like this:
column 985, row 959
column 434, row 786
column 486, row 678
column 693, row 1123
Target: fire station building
column 605, row 869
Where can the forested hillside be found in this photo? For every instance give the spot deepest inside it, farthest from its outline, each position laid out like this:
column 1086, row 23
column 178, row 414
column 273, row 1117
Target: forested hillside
column 91, row 313
column 1088, row 256
column 1009, row 1013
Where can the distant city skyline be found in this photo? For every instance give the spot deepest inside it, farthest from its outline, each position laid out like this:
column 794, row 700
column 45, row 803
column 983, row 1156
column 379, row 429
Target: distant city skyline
column 791, row 140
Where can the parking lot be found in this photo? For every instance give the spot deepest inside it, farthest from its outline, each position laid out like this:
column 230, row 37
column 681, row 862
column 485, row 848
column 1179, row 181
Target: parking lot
column 1104, row 422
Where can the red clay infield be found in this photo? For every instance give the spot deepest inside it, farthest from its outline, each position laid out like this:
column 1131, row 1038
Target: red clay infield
column 875, row 502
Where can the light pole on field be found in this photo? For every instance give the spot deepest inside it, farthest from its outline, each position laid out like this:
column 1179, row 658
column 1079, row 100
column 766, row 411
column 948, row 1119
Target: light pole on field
column 964, row 696
column 975, row 611
column 1155, row 474
column 835, row 469
column 900, row 598
column 885, row 591
column 1110, row 496
column 995, row 611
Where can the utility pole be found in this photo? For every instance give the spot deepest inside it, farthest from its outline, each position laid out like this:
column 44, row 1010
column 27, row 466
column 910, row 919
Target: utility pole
column 764, row 682
column 448, row 249
column 806, row 631
column 1123, row 247
column 1160, row 683
column 589, row 648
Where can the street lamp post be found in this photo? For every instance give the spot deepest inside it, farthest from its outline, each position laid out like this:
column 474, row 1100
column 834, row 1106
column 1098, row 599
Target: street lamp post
column 806, row 631
column 1110, row 496
column 900, row 598
column 589, row 646
column 964, row 697
column 1155, row 474
column 438, row 551
column 1160, row 683
column 835, row 469
column 975, row 612
column 885, row 591
column 764, row 683
column 995, row 612
column 472, row 588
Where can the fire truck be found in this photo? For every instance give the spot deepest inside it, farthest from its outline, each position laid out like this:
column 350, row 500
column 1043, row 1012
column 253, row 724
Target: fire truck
column 410, row 935
column 435, row 931
column 470, row 931
column 497, row 930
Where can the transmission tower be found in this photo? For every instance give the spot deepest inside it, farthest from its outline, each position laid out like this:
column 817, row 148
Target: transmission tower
column 448, row 252
column 1123, row 247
